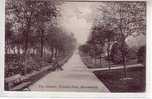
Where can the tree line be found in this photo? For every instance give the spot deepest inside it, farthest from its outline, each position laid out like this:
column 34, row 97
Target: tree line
column 116, row 21
column 31, row 28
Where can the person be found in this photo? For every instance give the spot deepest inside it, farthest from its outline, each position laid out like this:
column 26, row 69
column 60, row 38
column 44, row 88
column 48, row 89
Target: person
column 56, row 65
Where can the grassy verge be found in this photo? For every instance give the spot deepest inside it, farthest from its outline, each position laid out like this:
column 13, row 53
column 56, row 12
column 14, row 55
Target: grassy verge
column 113, row 80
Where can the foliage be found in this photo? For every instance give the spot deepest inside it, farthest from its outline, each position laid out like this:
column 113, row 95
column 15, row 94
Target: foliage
column 125, row 19
column 32, row 31
column 115, row 22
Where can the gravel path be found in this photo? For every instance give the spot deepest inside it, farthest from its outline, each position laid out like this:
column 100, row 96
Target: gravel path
column 75, row 77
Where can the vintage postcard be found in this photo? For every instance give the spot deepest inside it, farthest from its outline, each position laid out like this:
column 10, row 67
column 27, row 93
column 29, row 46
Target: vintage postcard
column 75, row 46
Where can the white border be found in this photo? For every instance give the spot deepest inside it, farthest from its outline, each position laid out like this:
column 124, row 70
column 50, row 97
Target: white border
column 79, row 94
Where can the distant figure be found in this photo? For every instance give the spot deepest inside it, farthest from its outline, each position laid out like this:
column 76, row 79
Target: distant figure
column 115, row 54
column 56, row 65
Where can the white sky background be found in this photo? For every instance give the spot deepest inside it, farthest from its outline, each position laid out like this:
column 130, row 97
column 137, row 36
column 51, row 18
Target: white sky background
column 78, row 17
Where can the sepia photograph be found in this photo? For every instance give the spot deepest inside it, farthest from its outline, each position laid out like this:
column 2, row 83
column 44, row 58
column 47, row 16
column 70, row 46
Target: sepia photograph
column 75, row 46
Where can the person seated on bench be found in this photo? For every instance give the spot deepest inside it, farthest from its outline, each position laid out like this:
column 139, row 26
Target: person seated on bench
column 56, row 65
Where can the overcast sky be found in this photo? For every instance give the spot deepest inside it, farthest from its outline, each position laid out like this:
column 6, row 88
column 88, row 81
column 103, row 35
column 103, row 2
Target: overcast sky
column 78, row 18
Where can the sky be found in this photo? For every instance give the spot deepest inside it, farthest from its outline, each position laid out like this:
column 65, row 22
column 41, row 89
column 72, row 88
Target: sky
column 78, row 19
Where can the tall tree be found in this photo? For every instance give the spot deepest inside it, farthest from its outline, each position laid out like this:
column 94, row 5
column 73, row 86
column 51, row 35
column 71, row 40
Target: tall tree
column 125, row 18
column 26, row 14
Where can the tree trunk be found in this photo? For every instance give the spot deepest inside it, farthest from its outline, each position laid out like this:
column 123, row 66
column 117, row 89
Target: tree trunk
column 42, row 42
column 125, row 68
column 108, row 52
column 26, row 32
column 123, row 51
column 9, row 49
column 14, row 50
column 95, row 56
column 56, row 51
column 52, row 52
column 18, row 49
column 122, row 45
column 6, row 49
column 100, row 59
column 26, row 43
column 25, row 50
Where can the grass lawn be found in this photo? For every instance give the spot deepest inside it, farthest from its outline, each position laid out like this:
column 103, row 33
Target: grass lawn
column 113, row 79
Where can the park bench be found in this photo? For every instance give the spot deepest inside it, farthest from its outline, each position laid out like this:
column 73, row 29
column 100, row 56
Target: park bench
column 12, row 81
column 20, row 86
column 9, row 82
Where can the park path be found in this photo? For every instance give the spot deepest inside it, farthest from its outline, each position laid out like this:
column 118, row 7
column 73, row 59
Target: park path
column 75, row 77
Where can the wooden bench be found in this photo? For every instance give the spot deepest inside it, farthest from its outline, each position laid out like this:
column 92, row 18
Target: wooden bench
column 20, row 86
column 9, row 82
column 16, row 79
